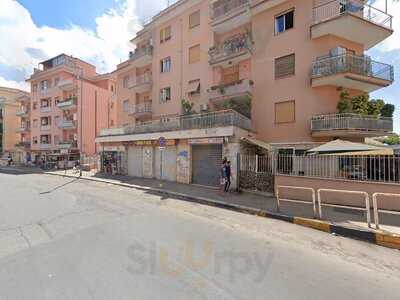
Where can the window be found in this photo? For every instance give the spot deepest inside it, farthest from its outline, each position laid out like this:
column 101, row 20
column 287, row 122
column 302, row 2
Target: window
column 56, row 81
column 35, row 123
column 35, row 140
column 284, row 66
column 56, row 139
column 165, row 65
column 285, row 112
column 45, row 139
column 194, row 54
column 165, row 95
column 34, row 88
column 194, row 19
column 284, row 22
column 125, row 82
column 165, row 34
column 34, row 106
column 45, row 121
column 194, row 87
column 44, row 85
column 125, row 105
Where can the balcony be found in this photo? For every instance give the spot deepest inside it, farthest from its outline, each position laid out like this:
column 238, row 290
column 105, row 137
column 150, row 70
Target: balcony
column 23, row 145
column 229, row 14
column 232, row 51
column 67, row 85
column 22, row 113
column 63, row 145
column 141, row 56
column 23, row 98
column 23, row 129
column 67, row 104
column 46, row 92
column 45, row 109
column 219, row 94
column 353, row 72
column 350, row 125
column 45, row 146
column 67, row 124
column 352, row 20
column 141, row 83
column 216, row 119
column 45, row 127
column 142, row 110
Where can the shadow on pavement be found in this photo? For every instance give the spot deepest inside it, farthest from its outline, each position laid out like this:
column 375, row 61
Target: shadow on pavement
column 14, row 170
column 59, row 187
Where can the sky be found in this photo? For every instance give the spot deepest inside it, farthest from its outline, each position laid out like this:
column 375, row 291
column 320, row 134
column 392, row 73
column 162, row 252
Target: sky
column 99, row 31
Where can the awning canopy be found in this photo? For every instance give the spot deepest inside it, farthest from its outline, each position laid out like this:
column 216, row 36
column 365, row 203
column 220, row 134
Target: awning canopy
column 256, row 142
column 194, row 87
column 340, row 147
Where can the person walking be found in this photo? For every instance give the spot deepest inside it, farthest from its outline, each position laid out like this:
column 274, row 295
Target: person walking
column 228, row 176
column 223, row 175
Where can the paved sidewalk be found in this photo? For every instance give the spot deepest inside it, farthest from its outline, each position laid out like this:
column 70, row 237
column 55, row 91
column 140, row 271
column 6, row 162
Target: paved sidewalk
column 339, row 216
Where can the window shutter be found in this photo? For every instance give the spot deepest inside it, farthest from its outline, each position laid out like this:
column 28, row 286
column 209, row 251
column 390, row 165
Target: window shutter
column 194, row 54
column 194, row 19
column 285, row 112
column 285, row 66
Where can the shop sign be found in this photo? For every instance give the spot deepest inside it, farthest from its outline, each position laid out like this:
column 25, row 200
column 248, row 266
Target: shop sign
column 114, row 148
column 206, row 141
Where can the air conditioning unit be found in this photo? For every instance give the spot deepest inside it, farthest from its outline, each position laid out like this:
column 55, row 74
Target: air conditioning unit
column 204, row 107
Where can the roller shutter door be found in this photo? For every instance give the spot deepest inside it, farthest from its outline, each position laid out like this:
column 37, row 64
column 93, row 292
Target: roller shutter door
column 135, row 161
column 206, row 164
column 168, row 163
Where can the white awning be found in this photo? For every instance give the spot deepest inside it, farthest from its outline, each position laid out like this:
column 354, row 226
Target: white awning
column 256, row 142
column 338, row 147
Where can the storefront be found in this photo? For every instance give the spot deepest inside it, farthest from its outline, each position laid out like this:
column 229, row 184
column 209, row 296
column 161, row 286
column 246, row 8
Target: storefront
column 112, row 160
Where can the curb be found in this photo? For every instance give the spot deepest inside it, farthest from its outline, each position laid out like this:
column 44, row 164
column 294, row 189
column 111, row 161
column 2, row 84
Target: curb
column 384, row 239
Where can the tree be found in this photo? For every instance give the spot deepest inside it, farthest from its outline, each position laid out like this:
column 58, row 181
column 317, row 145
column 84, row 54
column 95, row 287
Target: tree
column 187, row 107
column 387, row 110
column 240, row 104
column 392, row 140
column 360, row 104
column 375, row 107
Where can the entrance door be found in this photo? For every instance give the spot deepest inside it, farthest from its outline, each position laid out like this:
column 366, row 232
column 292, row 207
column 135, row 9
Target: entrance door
column 135, row 161
column 169, row 157
column 206, row 164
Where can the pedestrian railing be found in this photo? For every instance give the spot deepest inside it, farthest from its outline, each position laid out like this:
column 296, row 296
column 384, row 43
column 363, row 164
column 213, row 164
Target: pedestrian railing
column 298, row 188
column 377, row 210
column 366, row 209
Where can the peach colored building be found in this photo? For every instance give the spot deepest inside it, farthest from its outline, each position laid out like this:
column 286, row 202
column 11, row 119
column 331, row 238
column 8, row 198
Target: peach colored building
column 69, row 106
column 280, row 63
column 12, row 126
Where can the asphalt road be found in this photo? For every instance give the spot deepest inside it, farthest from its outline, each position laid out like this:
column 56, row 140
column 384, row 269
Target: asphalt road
column 70, row 239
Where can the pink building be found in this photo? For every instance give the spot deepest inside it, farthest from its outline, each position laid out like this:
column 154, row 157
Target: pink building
column 280, row 63
column 69, row 106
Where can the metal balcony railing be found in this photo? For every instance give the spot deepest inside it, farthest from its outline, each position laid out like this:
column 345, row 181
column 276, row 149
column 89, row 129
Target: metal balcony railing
column 238, row 44
column 197, row 121
column 140, row 52
column 67, row 124
column 223, row 7
column 349, row 63
column 23, row 145
column 67, row 144
column 67, row 103
column 140, row 80
column 351, row 122
column 142, row 108
column 358, row 8
column 22, row 112
column 235, row 89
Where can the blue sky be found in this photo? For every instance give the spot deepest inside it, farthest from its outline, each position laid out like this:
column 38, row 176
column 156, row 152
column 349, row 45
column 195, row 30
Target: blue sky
column 99, row 31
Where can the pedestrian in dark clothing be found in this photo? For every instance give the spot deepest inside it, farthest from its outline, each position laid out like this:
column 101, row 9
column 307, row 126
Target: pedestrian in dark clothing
column 228, row 176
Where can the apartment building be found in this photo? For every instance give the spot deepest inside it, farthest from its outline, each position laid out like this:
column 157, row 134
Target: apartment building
column 69, row 105
column 11, row 125
column 281, row 64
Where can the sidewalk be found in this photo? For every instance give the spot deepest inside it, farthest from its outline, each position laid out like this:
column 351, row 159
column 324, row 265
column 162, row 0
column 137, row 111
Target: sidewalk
column 255, row 203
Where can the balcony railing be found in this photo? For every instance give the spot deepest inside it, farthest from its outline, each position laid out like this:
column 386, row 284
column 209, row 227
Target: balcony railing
column 349, row 63
column 336, row 8
column 140, row 80
column 23, row 145
column 67, row 124
column 239, row 44
column 139, row 52
column 142, row 108
column 45, row 109
column 45, row 146
column 351, row 122
column 23, row 129
column 224, row 7
column 236, row 89
column 198, row 121
column 67, row 103
column 67, row 144
column 22, row 112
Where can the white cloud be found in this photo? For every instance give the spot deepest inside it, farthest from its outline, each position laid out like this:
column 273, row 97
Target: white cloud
column 104, row 47
column 14, row 84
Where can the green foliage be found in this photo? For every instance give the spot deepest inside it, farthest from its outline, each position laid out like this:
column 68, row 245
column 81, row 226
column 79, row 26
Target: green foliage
column 240, row 104
column 362, row 105
column 388, row 110
column 187, row 107
column 392, row 140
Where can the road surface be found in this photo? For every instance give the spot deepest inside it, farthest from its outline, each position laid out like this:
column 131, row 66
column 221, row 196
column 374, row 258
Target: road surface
column 71, row 239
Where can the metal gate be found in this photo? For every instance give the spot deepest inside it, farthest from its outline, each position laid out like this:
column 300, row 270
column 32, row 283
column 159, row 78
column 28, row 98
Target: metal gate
column 206, row 164
column 135, row 161
column 168, row 163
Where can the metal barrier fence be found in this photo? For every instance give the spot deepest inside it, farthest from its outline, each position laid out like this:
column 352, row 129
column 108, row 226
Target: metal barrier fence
column 374, row 168
column 366, row 209
column 279, row 199
column 363, row 10
column 377, row 210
